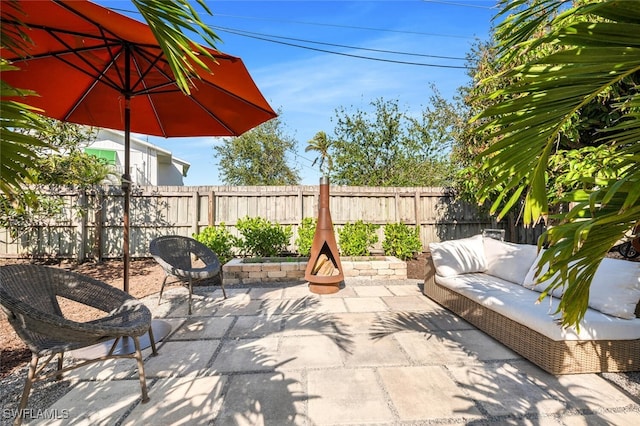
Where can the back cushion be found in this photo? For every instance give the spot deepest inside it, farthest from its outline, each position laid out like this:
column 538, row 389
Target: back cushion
column 615, row 289
column 457, row 257
column 509, row 261
column 532, row 282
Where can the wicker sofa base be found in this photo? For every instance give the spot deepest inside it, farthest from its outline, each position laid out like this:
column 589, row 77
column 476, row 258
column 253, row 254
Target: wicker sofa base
column 555, row 357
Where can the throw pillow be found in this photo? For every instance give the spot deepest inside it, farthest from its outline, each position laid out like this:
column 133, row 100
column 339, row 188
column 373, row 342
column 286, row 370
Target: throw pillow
column 532, row 282
column 509, row 261
column 615, row 288
column 461, row 256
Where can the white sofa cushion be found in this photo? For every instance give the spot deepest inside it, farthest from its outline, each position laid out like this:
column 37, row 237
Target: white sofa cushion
column 461, row 256
column 520, row 304
column 509, row 261
column 615, row 288
column 532, row 282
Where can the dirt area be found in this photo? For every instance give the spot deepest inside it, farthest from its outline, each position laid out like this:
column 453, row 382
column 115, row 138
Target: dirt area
column 416, row 267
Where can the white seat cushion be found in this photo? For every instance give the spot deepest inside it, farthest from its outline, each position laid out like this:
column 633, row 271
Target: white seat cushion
column 521, row 305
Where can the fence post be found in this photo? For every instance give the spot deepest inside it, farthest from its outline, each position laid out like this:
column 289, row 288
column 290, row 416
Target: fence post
column 212, row 209
column 98, row 220
column 195, row 199
column 300, row 204
column 81, row 226
column 417, row 213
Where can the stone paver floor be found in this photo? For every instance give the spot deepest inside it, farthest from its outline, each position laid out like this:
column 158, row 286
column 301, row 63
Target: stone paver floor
column 377, row 353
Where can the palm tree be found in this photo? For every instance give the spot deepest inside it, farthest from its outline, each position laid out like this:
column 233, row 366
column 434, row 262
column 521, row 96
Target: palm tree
column 168, row 20
column 321, row 143
column 591, row 52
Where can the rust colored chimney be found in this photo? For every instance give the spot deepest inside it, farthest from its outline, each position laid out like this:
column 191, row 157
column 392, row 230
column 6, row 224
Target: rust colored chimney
column 324, row 270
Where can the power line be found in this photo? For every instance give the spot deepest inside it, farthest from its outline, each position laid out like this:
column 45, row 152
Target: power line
column 395, row 52
column 451, row 3
column 353, row 27
column 393, row 61
column 257, row 36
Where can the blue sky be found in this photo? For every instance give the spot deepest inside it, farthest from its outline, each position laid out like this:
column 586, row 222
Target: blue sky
column 307, row 86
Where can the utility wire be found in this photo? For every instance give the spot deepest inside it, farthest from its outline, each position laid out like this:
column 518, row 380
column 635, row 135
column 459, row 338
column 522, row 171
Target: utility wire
column 353, row 27
column 395, row 52
column 451, row 3
column 265, row 38
column 346, row 54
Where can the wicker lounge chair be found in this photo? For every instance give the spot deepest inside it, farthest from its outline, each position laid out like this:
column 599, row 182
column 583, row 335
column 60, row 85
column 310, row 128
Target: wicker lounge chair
column 175, row 254
column 29, row 296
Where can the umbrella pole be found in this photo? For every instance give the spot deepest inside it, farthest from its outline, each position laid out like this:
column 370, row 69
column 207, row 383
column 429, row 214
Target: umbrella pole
column 126, row 177
column 126, row 188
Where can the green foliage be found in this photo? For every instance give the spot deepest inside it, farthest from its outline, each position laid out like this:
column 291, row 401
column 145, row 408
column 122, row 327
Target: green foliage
column 401, row 241
column 19, row 148
column 306, row 232
column 262, row 238
column 30, row 210
column 321, row 143
column 574, row 76
column 584, row 168
column 390, row 147
column 57, row 160
column 170, row 22
column 218, row 239
column 76, row 168
column 356, row 239
column 258, row 157
column 52, row 156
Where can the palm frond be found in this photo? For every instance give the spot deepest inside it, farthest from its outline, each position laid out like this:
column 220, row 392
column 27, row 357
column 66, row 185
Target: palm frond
column 170, row 23
column 582, row 55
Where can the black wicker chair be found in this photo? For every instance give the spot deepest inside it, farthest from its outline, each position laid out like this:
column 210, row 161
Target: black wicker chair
column 176, row 255
column 29, row 296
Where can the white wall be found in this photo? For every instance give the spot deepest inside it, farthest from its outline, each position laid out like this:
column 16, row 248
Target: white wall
column 149, row 164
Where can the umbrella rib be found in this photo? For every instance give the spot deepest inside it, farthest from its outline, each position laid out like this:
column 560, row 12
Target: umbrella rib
column 99, row 74
column 153, row 61
column 241, row 99
column 51, row 29
column 96, row 80
column 212, row 115
column 68, row 51
column 142, row 82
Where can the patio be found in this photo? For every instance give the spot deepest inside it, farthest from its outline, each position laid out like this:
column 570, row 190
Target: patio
column 377, row 352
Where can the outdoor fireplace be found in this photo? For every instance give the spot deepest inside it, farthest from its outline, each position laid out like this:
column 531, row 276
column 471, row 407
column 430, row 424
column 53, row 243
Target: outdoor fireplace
column 324, row 270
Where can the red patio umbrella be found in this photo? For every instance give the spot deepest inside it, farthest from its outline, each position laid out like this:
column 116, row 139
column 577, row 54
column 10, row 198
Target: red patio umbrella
column 90, row 65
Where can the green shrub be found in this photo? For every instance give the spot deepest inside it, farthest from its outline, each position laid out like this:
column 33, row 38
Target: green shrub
column 401, row 241
column 306, row 232
column 262, row 238
column 218, row 239
column 355, row 239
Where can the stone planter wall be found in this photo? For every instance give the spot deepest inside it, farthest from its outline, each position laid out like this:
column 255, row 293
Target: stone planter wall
column 237, row 272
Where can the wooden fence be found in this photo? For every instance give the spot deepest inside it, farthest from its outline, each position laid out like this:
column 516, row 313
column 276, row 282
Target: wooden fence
column 90, row 225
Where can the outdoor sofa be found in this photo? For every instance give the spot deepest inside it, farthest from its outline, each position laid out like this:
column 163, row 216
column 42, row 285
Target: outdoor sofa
column 491, row 284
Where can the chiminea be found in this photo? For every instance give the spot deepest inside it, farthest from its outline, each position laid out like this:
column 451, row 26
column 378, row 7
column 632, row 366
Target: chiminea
column 324, row 270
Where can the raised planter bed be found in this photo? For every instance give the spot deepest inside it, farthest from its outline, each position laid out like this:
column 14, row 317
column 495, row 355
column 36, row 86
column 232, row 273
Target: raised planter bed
column 245, row 271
